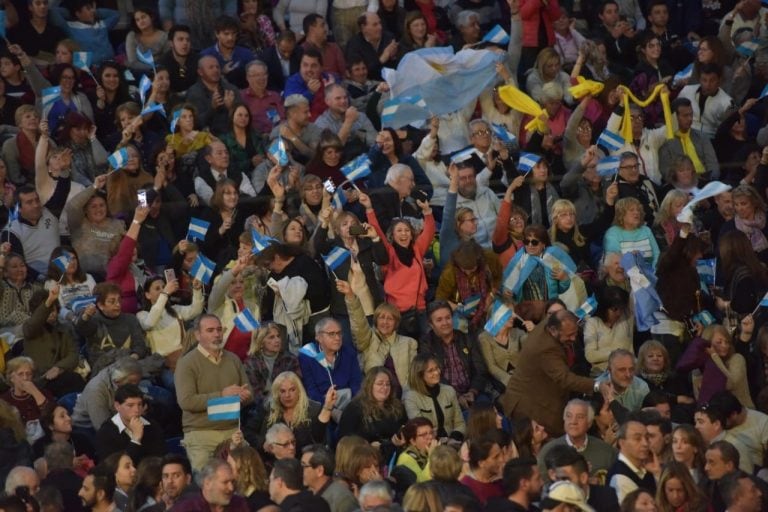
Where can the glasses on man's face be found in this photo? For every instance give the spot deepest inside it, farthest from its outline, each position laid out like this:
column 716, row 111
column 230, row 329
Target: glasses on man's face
column 292, row 442
column 334, row 334
column 532, row 242
column 481, row 133
column 630, row 167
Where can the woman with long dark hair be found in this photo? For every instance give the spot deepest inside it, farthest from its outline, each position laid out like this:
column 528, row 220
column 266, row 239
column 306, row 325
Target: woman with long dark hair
column 743, row 276
column 111, row 92
column 70, row 100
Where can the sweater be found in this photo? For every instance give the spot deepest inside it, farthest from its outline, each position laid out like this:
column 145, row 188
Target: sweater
column 91, row 242
column 94, row 36
column 96, row 404
column 105, row 336
column 499, row 359
column 164, row 331
column 198, row 379
column 113, row 437
column 618, row 239
column 600, row 340
column 345, row 373
column 48, row 345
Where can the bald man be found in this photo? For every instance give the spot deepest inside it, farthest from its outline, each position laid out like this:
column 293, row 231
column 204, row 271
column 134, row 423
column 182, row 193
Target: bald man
column 213, row 96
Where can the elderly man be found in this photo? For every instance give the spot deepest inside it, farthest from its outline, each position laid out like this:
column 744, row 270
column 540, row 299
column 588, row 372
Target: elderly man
column 35, row 233
column 353, row 127
column 543, row 367
column 217, row 157
column 212, row 96
column 375, row 46
column 633, row 184
column 337, row 368
column 629, row 471
column 376, row 493
column 265, row 106
column 217, row 490
column 690, row 143
column 478, row 198
column 577, row 420
column 22, row 476
column 629, row 389
column 204, row 373
column 280, row 442
column 316, row 35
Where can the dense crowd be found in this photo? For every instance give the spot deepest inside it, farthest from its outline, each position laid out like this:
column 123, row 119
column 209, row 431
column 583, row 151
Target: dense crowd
column 427, row 256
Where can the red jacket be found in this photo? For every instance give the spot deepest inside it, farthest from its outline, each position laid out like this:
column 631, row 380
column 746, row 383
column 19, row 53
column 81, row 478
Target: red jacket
column 119, row 272
column 533, row 12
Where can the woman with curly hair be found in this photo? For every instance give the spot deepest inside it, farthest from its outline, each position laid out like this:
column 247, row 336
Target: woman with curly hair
column 251, row 479
column 677, row 491
column 267, row 358
column 375, row 413
column 290, row 404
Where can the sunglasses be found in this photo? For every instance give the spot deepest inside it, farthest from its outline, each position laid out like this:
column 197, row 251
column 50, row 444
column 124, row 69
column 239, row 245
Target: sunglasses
column 532, row 242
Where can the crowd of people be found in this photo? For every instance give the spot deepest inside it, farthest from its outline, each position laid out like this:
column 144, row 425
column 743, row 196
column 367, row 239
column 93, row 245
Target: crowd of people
column 233, row 280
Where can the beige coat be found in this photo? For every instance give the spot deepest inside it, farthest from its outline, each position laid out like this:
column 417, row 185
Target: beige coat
column 422, row 406
column 499, row 358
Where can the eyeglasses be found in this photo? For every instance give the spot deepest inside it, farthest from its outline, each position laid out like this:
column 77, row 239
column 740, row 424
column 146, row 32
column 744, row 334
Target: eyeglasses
column 482, row 133
column 532, row 242
column 334, row 334
column 292, row 442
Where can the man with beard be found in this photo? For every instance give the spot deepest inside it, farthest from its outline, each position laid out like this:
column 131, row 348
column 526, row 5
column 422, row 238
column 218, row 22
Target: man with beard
column 480, row 199
column 208, row 372
column 522, row 485
column 217, row 490
column 98, row 489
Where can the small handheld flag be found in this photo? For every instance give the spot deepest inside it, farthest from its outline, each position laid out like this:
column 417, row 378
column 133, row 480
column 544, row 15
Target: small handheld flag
column 118, row 159
column 155, row 107
column 684, row 74
column 145, row 84
column 336, row 257
column 748, row 48
column 610, row 141
column 496, row 35
column 197, row 229
column 224, row 408
column 175, row 120
column 358, row 168
column 246, row 322
column 277, row 150
column 51, row 95
column 707, row 269
column 146, row 57
column 464, row 154
column 339, row 199
column 14, row 214
column 260, row 242
column 587, row 308
column 62, row 262
column 504, row 135
column 310, row 350
column 608, row 166
column 129, row 76
column 469, row 306
column 527, row 162
column 82, row 302
column 500, row 315
column 764, row 92
column 202, row 269
column 83, row 60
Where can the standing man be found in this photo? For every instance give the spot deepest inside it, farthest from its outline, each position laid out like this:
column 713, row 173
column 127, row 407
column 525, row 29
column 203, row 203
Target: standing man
column 208, row 372
column 310, row 81
column 282, row 59
column 690, row 143
column 544, row 368
column 316, row 34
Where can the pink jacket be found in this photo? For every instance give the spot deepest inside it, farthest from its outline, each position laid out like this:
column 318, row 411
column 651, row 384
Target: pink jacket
column 531, row 12
column 119, row 272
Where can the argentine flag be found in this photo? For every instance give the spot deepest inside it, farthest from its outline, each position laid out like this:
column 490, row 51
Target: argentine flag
column 496, row 35
column 748, row 48
column 82, row 60
column 684, row 74
column 527, row 162
column 156, row 107
column 82, row 302
column 146, row 57
column 277, row 150
column 246, row 322
column 587, row 308
column 224, row 408
column 610, row 141
column 501, row 133
column 464, row 154
column 469, row 306
column 145, row 84
column 358, row 168
column 403, row 110
column 202, row 269
column 197, row 229
column 608, row 166
column 311, row 351
column 339, row 199
column 336, row 257
column 500, row 315
column 51, row 95
column 62, row 262
column 260, row 242
column 118, row 159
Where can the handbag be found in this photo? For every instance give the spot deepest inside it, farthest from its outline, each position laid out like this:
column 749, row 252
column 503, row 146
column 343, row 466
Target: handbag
column 409, row 319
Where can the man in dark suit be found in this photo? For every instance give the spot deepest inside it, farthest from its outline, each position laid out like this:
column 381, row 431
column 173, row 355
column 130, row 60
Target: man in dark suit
column 543, row 366
column 127, row 430
column 563, row 462
column 282, row 60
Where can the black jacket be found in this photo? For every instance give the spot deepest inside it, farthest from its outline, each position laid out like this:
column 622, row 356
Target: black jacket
column 304, row 501
column 276, row 80
column 469, row 353
column 109, row 441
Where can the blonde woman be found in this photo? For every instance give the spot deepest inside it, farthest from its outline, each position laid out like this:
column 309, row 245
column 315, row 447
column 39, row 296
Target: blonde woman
column 251, row 479
column 289, row 404
column 629, row 232
column 565, row 231
column 666, row 225
column 422, row 497
column 267, row 358
column 547, row 69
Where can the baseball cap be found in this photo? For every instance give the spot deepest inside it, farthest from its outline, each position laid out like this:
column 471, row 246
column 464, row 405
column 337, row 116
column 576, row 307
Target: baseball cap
column 565, row 492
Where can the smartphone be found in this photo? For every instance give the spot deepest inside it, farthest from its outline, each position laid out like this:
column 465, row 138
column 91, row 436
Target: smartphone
column 170, row 275
column 142, row 197
column 419, row 195
column 329, row 186
column 357, row 230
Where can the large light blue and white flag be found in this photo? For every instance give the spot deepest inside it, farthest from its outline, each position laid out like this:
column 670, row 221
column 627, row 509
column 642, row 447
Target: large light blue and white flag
column 224, row 408
column 586, row 309
column 707, row 269
column 711, row 189
column 246, row 322
column 175, row 120
column 260, row 242
column 527, row 162
column 336, row 257
column 357, row 169
column 80, row 303
column 202, row 269
column 608, row 166
column 496, row 35
column 684, row 74
column 152, row 108
column 82, row 60
column 118, row 159
column 145, row 84
column 518, row 270
column 51, row 95
column 197, row 229
column 404, row 110
column 610, row 141
column 146, row 57
column 642, row 282
column 504, row 135
column 278, row 151
column 62, row 262
column 500, row 315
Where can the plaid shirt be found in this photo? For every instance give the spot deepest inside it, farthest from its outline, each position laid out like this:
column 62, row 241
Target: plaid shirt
column 454, row 372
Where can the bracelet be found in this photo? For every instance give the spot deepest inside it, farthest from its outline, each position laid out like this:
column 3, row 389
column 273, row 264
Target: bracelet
column 134, row 221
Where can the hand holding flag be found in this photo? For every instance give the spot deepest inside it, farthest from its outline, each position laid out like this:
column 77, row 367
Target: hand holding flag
column 197, row 229
column 527, row 162
column 202, row 269
column 118, row 159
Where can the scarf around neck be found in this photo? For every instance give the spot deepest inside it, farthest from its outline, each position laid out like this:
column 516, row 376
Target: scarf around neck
column 754, row 230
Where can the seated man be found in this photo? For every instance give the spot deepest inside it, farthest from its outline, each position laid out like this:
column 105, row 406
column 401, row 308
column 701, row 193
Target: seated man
column 96, row 404
column 310, row 81
column 353, row 127
column 217, row 157
column 128, row 431
column 628, row 388
column 232, row 58
column 285, row 488
column 373, row 45
column 35, row 234
column 212, row 95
